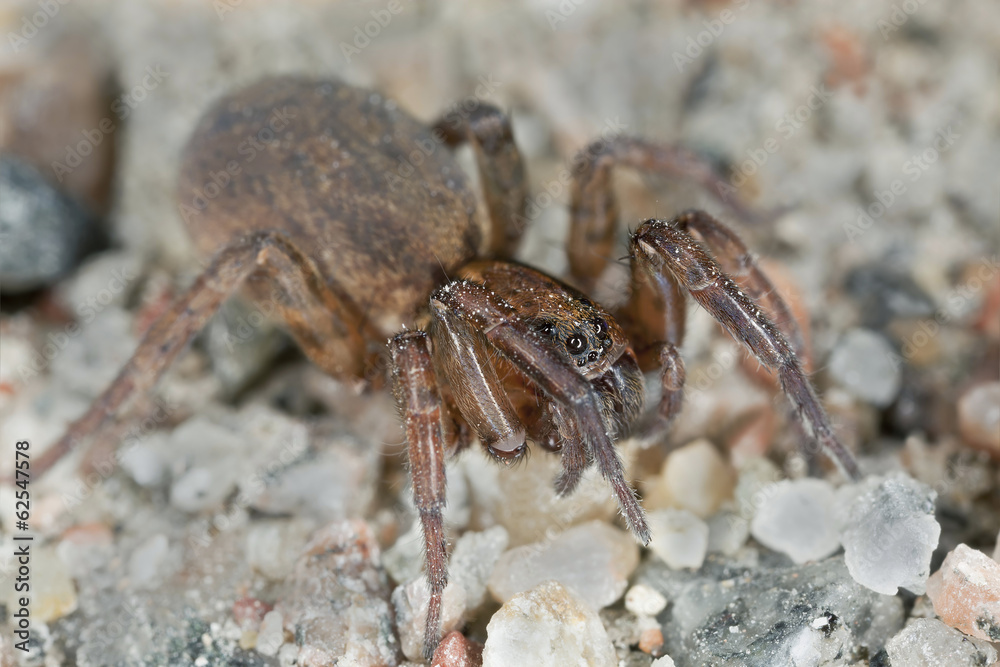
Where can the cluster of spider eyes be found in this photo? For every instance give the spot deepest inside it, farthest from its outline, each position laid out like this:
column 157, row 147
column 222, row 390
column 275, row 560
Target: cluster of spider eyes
column 576, row 343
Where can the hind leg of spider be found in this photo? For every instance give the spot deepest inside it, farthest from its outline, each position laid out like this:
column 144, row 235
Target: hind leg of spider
column 594, row 208
column 322, row 324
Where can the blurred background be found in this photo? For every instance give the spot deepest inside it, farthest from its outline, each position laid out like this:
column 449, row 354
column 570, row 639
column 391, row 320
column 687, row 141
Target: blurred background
column 872, row 127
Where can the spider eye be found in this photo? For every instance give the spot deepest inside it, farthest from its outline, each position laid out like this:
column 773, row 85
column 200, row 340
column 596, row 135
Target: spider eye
column 546, row 329
column 576, row 344
column 601, row 326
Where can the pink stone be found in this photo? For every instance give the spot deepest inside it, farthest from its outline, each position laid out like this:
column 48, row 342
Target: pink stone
column 457, row 651
column 966, row 593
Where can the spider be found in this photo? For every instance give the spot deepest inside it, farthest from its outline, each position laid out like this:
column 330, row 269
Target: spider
column 363, row 221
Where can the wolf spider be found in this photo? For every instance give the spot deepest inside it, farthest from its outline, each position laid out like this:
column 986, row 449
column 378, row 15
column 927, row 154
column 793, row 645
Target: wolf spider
column 364, row 221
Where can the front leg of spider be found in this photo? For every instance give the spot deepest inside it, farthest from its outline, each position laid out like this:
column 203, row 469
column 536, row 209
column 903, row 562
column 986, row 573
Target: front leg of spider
column 416, row 389
column 558, row 378
column 662, row 246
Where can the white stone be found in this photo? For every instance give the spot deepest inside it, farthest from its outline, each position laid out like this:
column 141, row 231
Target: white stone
column 473, row 560
column 146, row 565
column 271, row 635
column 273, row 546
column 694, row 477
column 144, row 461
column 547, row 625
column 756, row 481
column 663, row 661
column 798, row 519
column 411, row 602
column 927, row 642
column 863, row 363
column 679, row 538
column 727, row 533
column 643, row 600
column 594, row 560
column 890, row 534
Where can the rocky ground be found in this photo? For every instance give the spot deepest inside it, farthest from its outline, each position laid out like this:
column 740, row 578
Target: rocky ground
column 259, row 513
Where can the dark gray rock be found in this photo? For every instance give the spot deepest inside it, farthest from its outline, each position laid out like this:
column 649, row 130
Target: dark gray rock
column 769, row 613
column 43, row 233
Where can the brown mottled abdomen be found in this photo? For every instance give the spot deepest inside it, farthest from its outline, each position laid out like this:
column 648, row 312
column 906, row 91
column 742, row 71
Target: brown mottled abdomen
column 356, row 183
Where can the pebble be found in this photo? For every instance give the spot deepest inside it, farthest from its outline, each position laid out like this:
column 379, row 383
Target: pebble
column 642, row 600
column 547, row 625
column 979, row 417
column 211, row 477
column 242, row 340
column 53, row 593
column 404, row 560
column 55, row 106
column 966, row 593
column 863, row 363
column 271, row 635
column 927, row 642
column 680, row 538
column 249, row 612
column 337, row 600
column 727, row 533
column 694, row 477
column 473, row 560
column 411, row 602
column 885, row 294
column 146, row 565
column 594, row 560
column 797, row 519
column 45, row 233
column 457, row 651
column 890, row 533
column 273, row 546
column 523, row 500
column 769, row 613
column 337, row 483
column 663, row 661
column 757, row 477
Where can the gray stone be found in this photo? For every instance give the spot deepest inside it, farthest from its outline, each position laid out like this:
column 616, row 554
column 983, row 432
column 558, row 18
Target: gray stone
column 43, row 233
column 890, row 533
column 927, row 642
column 771, row 614
column 863, row 363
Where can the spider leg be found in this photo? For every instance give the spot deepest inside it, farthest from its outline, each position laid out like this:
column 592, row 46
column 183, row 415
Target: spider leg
column 311, row 310
column 594, row 209
column 416, row 388
column 501, row 168
column 461, row 358
column 654, row 317
column 664, row 247
column 535, row 357
column 739, row 263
